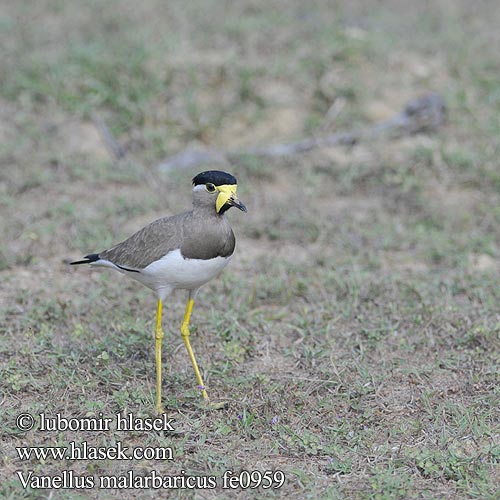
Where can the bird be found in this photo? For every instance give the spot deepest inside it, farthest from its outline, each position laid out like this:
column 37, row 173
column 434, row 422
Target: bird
column 183, row 251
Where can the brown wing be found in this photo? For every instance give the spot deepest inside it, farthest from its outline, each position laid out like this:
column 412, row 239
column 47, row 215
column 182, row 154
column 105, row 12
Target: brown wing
column 150, row 243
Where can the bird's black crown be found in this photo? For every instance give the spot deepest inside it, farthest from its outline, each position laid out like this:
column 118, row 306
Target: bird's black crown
column 216, row 177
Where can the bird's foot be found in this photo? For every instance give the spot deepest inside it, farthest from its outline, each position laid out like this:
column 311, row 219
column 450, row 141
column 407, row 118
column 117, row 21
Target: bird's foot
column 159, row 410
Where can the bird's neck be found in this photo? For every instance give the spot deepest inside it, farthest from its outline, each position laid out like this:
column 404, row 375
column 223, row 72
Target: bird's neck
column 206, row 213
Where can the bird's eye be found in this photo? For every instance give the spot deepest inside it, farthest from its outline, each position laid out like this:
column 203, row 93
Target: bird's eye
column 210, row 187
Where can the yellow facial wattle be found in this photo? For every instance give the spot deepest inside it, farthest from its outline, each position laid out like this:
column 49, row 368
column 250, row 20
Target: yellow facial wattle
column 226, row 191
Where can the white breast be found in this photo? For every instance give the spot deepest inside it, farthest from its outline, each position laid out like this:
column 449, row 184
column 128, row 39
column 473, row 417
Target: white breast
column 173, row 271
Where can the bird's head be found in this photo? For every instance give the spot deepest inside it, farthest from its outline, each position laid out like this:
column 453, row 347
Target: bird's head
column 215, row 188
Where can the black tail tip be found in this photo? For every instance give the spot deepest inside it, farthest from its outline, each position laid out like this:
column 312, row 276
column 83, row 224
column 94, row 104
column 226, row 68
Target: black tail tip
column 88, row 259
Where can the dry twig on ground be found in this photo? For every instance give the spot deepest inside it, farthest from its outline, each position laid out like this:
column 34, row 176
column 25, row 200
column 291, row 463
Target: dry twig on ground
column 423, row 114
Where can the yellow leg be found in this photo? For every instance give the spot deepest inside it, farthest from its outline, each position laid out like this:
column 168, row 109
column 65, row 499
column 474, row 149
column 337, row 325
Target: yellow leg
column 158, row 338
column 185, row 336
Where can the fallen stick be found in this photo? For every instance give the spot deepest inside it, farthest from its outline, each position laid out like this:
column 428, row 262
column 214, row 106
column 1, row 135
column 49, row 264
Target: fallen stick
column 115, row 149
column 423, row 114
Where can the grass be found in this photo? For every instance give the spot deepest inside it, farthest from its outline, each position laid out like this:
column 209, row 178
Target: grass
column 355, row 335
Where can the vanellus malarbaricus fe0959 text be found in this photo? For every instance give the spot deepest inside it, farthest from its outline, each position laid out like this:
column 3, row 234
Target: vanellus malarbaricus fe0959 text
column 184, row 251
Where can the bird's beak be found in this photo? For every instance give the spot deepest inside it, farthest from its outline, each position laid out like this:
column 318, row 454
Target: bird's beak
column 234, row 202
column 227, row 194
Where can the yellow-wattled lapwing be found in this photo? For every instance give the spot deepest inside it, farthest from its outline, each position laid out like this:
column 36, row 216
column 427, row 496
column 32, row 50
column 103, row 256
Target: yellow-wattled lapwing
column 183, row 251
